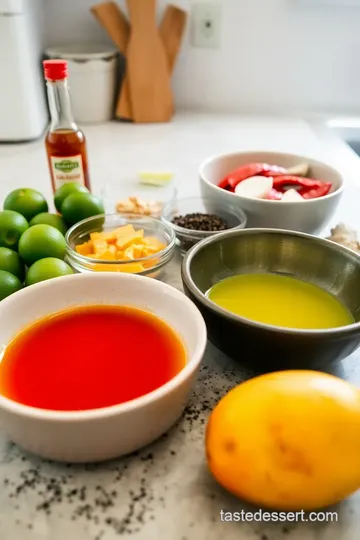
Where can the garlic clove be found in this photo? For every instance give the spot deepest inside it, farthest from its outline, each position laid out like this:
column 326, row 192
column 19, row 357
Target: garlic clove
column 256, row 187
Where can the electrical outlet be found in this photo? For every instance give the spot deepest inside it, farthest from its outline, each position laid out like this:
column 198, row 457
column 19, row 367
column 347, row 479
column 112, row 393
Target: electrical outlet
column 206, row 24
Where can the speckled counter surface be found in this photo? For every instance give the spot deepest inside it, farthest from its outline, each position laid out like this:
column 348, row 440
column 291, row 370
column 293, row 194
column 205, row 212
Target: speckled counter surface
column 163, row 492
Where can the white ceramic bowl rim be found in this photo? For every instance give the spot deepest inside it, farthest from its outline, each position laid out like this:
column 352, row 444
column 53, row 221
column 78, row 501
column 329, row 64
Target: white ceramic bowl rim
column 302, row 159
column 199, row 328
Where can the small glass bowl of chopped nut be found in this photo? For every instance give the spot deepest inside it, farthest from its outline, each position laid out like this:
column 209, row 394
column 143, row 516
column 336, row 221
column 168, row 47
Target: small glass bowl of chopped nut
column 130, row 196
column 194, row 218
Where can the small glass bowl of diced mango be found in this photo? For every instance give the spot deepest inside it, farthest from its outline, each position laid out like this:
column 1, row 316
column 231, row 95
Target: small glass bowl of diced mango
column 120, row 243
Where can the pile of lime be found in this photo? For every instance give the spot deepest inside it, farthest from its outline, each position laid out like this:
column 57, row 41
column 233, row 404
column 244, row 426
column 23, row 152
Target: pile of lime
column 32, row 240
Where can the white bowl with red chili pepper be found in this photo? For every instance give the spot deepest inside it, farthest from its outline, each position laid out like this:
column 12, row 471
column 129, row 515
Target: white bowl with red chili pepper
column 275, row 190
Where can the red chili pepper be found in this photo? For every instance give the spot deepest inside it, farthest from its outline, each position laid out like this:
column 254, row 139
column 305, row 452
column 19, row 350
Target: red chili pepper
column 308, row 188
column 281, row 182
column 224, row 183
column 247, row 171
column 244, row 172
column 317, row 192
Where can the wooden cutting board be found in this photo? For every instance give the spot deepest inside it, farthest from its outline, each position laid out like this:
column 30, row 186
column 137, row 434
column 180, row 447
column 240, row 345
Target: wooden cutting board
column 150, row 88
column 172, row 29
column 116, row 25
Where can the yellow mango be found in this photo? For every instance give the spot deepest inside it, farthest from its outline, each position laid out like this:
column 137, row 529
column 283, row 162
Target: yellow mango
column 150, row 250
column 125, row 241
column 100, row 246
column 129, row 253
column 138, row 251
column 106, row 256
column 84, row 249
column 153, row 242
column 105, row 268
column 144, row 251
column 150, row 263
column 122, row 244
column 109, row 237
column 288, row 441
column 133, row 268
column 125, row 230
column 152, row 245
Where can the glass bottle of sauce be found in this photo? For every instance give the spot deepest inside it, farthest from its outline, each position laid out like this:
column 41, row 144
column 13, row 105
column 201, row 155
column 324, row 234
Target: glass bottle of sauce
column 65, row 143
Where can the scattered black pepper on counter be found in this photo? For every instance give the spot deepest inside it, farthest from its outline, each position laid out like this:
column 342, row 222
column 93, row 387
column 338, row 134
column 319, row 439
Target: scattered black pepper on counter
column 109, row 507
column 201, row 222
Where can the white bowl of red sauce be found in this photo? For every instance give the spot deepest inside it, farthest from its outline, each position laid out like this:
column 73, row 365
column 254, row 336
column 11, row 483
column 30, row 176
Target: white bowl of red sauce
column 96, row 366
column 222, row 177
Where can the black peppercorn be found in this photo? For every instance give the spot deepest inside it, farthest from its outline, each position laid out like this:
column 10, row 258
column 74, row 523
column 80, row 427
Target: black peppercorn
column 201, row 222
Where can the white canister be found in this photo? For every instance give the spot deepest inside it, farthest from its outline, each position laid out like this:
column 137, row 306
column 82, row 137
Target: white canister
column 92, row 80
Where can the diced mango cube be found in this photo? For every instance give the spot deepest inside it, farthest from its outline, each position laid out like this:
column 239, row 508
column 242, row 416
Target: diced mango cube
column 153, row 245
column 133, row 268
column 84, row 249
column 125, row 241
column 100, row 246
column 123, row 231
column 149, row 250
column 149, row 264
column 109, row 237
column 129, row 253
column 137, row 251
column 122, row 244
column 106, row 256
column 103, row 268
column 154, row 242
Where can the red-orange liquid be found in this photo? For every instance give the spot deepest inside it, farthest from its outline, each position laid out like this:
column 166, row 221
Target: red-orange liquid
column 67, row 143
column 89, row 358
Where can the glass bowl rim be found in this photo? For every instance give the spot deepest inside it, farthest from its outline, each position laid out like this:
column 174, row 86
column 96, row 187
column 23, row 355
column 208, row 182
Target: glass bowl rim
column 230, row 208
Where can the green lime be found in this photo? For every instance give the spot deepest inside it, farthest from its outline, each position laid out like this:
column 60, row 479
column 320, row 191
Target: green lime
column 41, row 241
column 79, row 206
column 47, row 269
column 27, row 202
column 65, row 190
column 12, row 226
column 50, row 219
column 8, row 284
column 11, row 262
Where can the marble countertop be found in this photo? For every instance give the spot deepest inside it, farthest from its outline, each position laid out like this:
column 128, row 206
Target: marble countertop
column 163, row 492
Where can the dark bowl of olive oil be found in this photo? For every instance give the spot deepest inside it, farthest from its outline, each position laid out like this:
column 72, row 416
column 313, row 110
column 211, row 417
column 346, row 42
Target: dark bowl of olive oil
column 275, row 299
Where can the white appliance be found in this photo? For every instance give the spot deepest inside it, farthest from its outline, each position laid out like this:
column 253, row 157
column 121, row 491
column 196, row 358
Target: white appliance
column 23, row 110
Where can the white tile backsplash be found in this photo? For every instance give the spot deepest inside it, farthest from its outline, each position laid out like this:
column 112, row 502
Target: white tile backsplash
column 275, row 55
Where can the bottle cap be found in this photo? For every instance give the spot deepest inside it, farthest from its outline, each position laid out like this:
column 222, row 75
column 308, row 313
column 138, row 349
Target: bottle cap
column 55, row 70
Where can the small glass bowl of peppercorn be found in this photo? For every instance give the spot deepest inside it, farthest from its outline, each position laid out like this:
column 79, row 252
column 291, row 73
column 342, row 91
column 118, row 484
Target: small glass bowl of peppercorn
column 195, row 218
